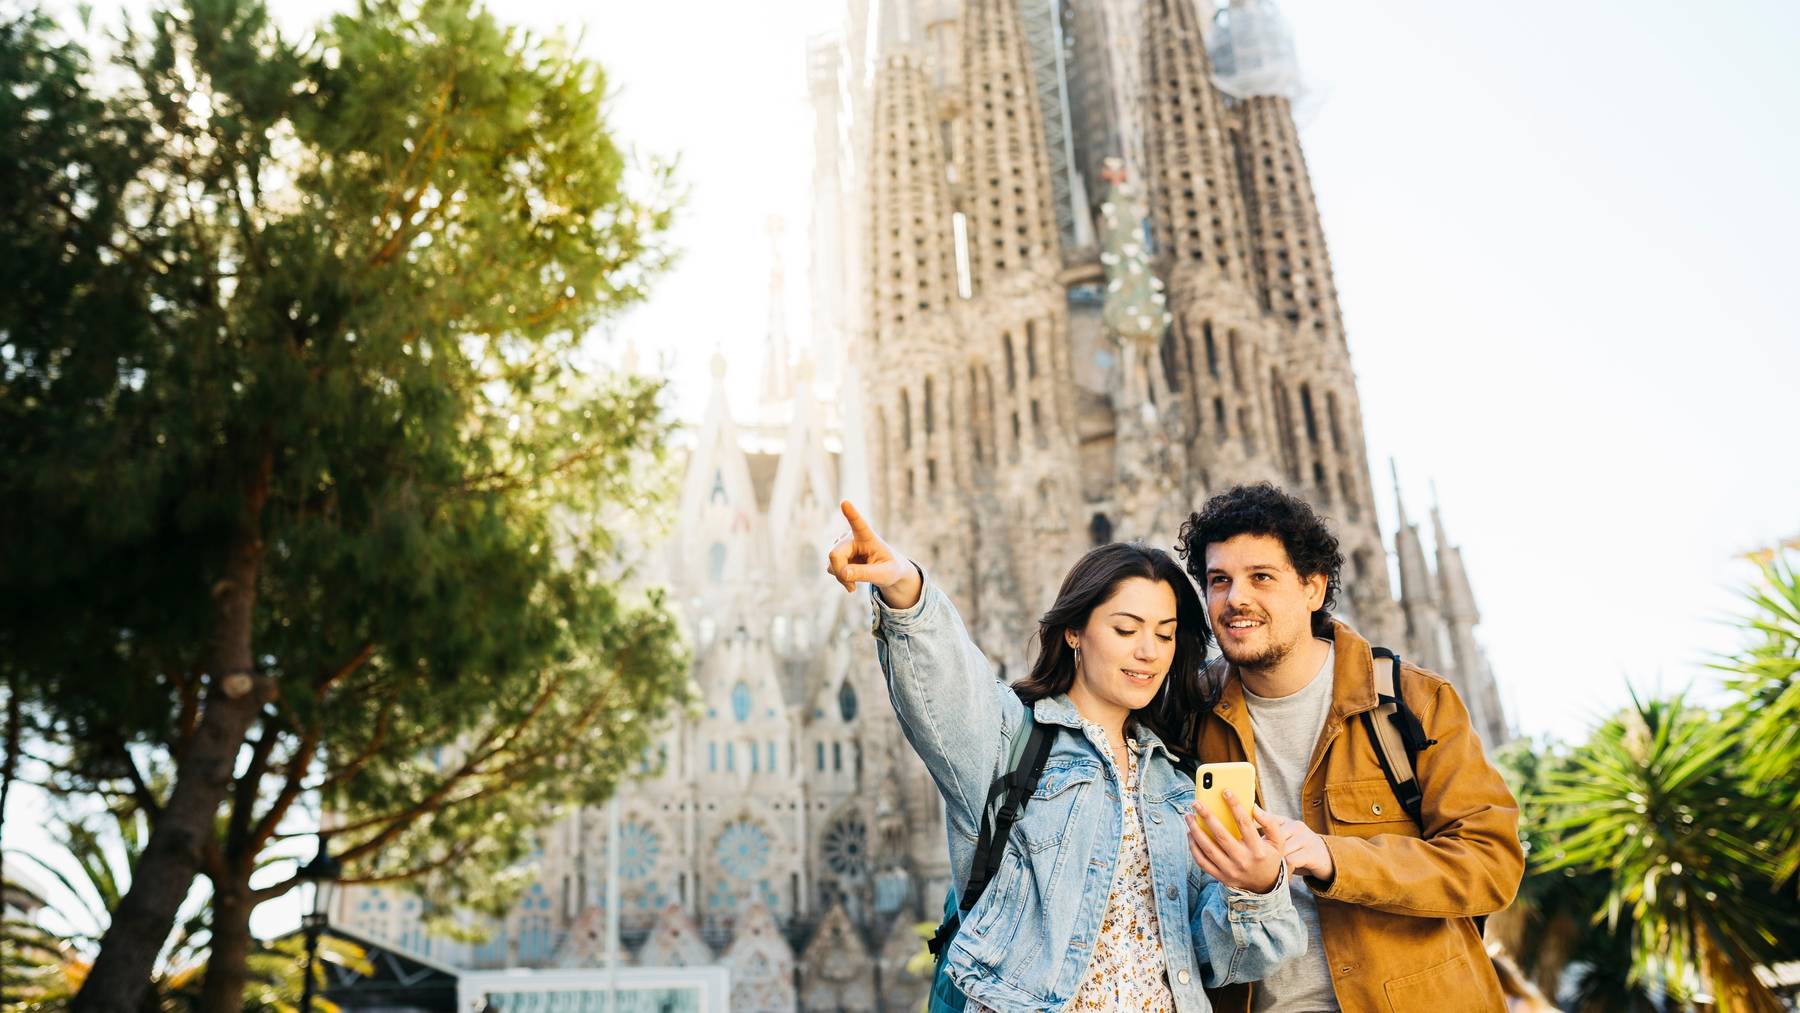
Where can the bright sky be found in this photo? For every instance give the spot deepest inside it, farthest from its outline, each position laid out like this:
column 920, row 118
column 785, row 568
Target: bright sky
column 1563, row 238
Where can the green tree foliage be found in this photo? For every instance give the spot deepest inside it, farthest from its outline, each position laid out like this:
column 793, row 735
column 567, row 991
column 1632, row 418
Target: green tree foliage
column 1654, row 804
column 309, row 490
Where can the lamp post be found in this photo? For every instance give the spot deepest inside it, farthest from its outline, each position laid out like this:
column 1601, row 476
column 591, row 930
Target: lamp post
column 321, row 875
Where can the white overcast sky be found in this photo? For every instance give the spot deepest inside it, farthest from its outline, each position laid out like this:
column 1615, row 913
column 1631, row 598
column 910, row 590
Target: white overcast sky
column 1564, row 241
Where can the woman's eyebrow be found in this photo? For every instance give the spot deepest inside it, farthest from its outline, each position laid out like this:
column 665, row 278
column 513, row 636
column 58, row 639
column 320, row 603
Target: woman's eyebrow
column 1140, row 619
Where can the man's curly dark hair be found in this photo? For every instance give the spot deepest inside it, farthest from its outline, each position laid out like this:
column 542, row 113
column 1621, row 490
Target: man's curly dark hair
column 1262, row 509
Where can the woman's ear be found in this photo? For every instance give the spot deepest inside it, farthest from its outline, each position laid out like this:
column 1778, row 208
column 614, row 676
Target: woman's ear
column 1071, row 638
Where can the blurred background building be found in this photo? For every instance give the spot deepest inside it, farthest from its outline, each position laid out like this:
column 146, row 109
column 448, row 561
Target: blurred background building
column 1068, row 280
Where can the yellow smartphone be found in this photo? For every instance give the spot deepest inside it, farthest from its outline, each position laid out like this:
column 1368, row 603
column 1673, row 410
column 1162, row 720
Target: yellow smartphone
column 1210, row 782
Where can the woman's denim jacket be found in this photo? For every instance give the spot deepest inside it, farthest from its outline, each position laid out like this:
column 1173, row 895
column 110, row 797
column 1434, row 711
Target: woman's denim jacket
column 1027, row 943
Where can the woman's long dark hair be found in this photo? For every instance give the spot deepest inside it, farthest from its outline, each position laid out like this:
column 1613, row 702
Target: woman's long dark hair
column 1174, row 713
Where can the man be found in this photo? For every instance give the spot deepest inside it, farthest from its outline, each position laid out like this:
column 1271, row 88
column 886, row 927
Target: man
column 1389, row 905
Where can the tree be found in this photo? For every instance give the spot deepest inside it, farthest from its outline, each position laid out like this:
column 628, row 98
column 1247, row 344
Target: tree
column 1654, row 804
column 294, row 413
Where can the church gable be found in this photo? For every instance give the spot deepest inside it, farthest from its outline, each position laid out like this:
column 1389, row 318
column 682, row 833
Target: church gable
column 718, row 498
column 761, row 964
column 835, row 969
column 675, row 941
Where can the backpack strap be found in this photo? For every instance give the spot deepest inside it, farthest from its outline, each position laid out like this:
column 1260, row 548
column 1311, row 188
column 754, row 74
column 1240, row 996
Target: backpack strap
column 1030, row 750
column 1398, row 742
column 1398, row 739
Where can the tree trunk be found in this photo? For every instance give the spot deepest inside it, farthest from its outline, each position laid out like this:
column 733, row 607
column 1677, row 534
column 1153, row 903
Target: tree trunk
column 228, row 963
column 6, row 780
column 159, row 882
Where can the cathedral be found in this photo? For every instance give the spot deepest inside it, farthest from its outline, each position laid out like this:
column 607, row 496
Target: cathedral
column 1068, row 279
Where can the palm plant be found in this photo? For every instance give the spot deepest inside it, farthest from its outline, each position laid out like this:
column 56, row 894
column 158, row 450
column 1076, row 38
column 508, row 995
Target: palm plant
column 47, row 967
column 1653, row 803
column 1766, row 677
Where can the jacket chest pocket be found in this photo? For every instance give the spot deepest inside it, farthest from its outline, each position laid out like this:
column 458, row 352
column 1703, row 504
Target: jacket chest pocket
column 1054, row 805
column 1365, row 809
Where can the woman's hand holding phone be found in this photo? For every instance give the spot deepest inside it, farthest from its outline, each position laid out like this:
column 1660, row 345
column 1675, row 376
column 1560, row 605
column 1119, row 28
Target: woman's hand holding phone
column 1252, row 864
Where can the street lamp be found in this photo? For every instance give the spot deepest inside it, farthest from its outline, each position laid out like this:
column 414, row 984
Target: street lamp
column 321, row 876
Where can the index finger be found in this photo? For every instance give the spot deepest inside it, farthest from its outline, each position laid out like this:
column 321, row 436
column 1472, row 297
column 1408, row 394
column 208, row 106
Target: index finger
column 1274, row 827
column 859, row 528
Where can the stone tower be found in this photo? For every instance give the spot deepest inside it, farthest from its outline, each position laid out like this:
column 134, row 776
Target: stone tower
column 1005, row 409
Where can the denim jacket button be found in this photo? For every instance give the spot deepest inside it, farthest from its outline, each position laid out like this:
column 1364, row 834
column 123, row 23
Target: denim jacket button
column 1171, row 893
column 1182, row 976
column 1156, row 817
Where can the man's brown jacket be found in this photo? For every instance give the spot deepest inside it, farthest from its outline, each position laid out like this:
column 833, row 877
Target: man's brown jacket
column 1398, row 917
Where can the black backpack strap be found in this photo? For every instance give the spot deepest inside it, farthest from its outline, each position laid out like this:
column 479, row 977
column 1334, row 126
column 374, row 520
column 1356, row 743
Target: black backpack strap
column 1012, row 790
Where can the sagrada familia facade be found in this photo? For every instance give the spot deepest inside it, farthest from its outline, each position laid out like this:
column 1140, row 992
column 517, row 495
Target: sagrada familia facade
column 1068, row 280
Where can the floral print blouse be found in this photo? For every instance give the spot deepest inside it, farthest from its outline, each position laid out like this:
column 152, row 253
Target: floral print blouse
column 1127, row 971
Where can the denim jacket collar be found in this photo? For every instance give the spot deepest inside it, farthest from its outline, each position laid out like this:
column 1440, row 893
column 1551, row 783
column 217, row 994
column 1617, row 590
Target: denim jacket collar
column 1060, row 710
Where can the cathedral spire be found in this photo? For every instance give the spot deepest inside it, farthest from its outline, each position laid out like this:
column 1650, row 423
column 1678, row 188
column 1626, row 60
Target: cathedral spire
column 1012, row 221
column 775, row 385
column 912, row 272
column 1418, row 591
column 1458, row 596
column 1199, row 214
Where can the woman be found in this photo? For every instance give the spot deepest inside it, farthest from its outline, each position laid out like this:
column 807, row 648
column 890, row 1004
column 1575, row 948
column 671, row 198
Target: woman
column 1109, row 896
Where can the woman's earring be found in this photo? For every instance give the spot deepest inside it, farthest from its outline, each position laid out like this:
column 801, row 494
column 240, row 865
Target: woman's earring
column 1078, row 660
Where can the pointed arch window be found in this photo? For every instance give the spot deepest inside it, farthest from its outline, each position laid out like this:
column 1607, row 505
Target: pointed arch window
column 847, row 701
column 1100, row 529
column 716, row 562
column 718, row 489
column 1306, row 408
column 740, row 701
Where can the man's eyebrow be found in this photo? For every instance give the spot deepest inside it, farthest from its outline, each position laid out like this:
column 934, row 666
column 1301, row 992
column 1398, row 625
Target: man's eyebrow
column 1140, row 619
column 1252, row 566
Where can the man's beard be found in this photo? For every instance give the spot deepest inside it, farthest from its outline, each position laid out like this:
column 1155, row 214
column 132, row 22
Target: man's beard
column 1259, row 659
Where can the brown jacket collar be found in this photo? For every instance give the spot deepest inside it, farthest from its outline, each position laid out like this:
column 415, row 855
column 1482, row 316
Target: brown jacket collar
column 1352, row 686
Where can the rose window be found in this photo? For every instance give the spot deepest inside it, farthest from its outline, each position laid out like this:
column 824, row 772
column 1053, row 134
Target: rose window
column 639, row 848
column 847, row 849
column 743, row 850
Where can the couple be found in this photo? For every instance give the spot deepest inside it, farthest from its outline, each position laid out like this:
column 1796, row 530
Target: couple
column 1115, row 892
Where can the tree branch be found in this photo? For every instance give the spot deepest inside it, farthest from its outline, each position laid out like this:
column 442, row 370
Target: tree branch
column 404, row 818
column 146, row 799
column 243, row 803
column 290, row 790
column 357, row 660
